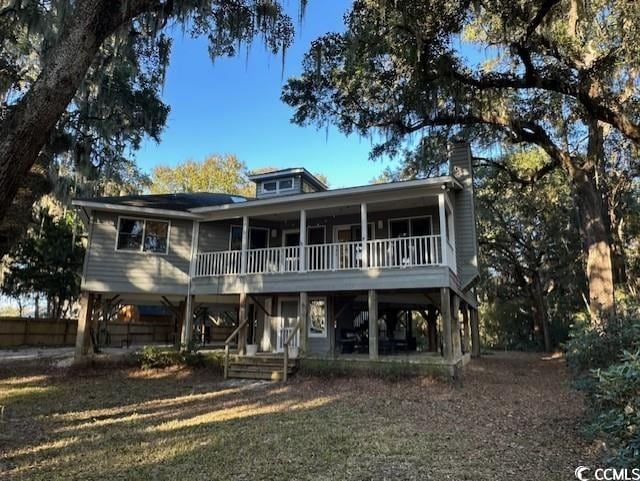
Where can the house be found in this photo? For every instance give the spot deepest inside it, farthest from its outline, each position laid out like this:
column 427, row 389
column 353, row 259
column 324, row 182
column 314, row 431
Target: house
column 369, row 274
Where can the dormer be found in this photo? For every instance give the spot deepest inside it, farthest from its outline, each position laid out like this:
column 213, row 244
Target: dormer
column 286, row 182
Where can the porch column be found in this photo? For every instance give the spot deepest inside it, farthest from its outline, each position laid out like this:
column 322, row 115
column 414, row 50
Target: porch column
column 455, row 328
column 85, row 322
column 475, row 334
column 466, row 341
column 303, row 241
column 303, row 316
column 445, row 311
column 187, row 324
column 466, row 331
column 373, row 324
column 242, row 317
column 245, row 245
column 363, row 237
column 442, row 212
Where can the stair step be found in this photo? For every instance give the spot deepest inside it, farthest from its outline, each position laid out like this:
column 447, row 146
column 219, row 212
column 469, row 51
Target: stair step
column 265, row 375
column 235, row 367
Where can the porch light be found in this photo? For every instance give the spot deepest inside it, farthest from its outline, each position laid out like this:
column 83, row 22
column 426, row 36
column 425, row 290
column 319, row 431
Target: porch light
column 380, row 224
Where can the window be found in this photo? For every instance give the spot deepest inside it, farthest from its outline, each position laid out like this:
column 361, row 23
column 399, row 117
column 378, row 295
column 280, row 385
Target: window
column 315, row 235
column 140, row 235
column 156, row 235
column 258, row 238
column 270, row 186
column 274, row 186
column 318, row 317
column 285, row 184
column 409, row 227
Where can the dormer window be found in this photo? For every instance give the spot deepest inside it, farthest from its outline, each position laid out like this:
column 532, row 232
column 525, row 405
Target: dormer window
column 285, row 184
column 277, row 186
column 271, row 186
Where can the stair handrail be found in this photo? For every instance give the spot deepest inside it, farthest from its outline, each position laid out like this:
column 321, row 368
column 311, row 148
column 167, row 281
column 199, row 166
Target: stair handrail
column 295, row 329
column 226, row 346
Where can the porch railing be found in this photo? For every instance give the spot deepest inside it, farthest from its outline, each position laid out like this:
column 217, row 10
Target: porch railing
column 381, row 253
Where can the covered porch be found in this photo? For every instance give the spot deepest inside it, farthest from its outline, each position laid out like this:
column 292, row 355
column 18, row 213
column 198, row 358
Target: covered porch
column 417, row 231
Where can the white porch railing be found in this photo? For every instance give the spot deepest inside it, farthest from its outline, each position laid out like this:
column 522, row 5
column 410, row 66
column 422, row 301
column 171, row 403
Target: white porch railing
column 405, row 252
column 273, row 260
column 381, row 253
column 219, row 263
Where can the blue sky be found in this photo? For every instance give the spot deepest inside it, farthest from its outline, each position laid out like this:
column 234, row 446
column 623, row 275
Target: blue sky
column 233, row 106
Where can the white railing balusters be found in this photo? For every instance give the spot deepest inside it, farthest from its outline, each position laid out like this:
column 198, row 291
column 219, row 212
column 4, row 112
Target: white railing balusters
column 403, row 252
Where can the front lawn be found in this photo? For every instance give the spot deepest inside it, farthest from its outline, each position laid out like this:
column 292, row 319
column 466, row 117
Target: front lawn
column 513, row 418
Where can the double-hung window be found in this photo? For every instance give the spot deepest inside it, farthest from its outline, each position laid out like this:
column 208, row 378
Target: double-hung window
column 143, row 235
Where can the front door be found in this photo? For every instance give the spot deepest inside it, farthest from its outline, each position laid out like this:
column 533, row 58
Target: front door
column 288, row 317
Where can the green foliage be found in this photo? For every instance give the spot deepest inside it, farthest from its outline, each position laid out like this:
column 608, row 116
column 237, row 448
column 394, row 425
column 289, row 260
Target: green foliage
column 48, row 263
column 225, row 174
column 607, row 368
column 591, row 349
column 153, row 357
column 616, row 399
column 530, row 253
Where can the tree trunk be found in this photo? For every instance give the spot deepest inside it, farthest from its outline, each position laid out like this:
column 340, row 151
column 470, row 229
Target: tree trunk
column 25, row 131
column 597, row 249
column 541, row 312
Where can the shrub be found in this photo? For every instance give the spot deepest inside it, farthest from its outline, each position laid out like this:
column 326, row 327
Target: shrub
column 607, row 368
column 594, row 349
column 153, row 357
column 616, row 400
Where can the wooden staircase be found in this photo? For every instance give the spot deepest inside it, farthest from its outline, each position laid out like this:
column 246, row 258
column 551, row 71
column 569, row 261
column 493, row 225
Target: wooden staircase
column 262, row 366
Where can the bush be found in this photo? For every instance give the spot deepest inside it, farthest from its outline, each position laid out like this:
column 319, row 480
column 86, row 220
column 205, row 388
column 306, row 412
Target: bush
column 153, row 357
column 590, row 349
column 606, row 364
column 616, row 399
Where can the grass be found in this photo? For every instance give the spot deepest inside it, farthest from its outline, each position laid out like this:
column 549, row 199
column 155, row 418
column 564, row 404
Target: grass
column 513, row 418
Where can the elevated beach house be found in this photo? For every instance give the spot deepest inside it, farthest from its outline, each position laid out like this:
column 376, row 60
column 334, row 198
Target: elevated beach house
column 354, row 277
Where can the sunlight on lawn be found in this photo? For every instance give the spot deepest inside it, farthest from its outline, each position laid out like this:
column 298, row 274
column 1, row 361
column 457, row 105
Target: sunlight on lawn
column 243, row 411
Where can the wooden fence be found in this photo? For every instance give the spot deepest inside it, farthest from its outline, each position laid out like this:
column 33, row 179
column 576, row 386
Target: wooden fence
column 18, row 331
column 22, row 331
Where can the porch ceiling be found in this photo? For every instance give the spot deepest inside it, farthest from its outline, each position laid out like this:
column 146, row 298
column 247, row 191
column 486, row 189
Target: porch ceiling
column 353, row 209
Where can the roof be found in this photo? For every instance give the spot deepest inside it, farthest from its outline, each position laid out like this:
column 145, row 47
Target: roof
column 198, row 205
column 276, row 174
column 183, row 202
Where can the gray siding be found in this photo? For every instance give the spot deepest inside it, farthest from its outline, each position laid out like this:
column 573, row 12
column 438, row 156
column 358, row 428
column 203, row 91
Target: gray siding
column 109, row 270
column 349, row 280
column 464, row 214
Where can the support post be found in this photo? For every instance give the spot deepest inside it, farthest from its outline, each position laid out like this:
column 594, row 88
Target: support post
column 303, row 315
column 242, row 317
column 455, row 328
column 466, row 341
column 373, row 324
column 331, row 326
column 245, row 245
column 445, row 311
column 364, row 235
column 303, row 241
column 187, row 324
column 85, row 317
column 475, row 334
